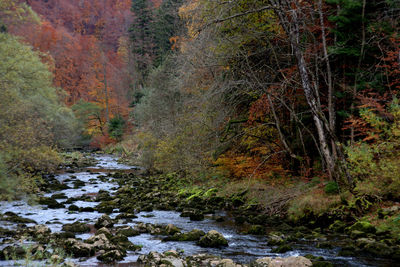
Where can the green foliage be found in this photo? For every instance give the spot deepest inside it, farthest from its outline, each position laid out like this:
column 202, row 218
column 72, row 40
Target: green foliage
column 331, row 188
column 375, row 164
column 116, row 127
column 166, row 24
column 33, row 121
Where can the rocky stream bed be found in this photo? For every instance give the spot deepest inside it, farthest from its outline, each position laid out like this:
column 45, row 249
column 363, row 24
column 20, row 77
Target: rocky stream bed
column 111, row 214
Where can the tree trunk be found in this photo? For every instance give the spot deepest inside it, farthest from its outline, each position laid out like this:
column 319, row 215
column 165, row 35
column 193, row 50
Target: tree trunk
column 289, row 18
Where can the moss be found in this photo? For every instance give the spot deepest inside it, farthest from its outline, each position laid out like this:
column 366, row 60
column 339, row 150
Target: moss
column 256, row 230
column 362, row 226
column 76, row 227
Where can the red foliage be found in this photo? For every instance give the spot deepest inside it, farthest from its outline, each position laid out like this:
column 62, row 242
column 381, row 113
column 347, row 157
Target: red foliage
column 83, row 41
column 102, row 141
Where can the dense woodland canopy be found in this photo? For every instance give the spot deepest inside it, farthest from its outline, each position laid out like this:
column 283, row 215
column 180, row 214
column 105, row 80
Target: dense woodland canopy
column 247, row 89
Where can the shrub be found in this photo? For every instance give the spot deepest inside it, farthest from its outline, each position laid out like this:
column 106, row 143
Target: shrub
column 375, row 161
column 331, row 188
column 116, row 127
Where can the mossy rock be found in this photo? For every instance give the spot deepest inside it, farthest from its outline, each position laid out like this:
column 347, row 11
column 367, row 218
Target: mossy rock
column 275, row 240
column 106, row 207
column 50, row 203
column 12, row 252
column 378, row 249
column 64, row 235
column 171, row 229
column 87, row 209
column 127, row 231
column 73, row 208
column 213, row 239
column 111, row 256
column 59, row 196
column 121, row 241
column 196, row 216
column 357, row 234
column 322, row 264
column 337, row 226
column 77, row 248
column 314, row 258
column 12, row 217
column 348, row 251
column 256, row 230
column 76, row 227
column 78, row 184
column 282, row 249
column 362, row 226
column 104, row 221
column 126, row 216
column 193, row 235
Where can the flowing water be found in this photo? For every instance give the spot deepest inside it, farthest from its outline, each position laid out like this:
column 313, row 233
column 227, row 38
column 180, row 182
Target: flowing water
column 242, row 248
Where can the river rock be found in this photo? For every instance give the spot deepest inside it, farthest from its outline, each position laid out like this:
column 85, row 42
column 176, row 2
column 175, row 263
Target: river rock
column 362, row 226
column 378, row 249
column 111, row 256
column 40, row 230
column 76, row 227
column 193, row 235
column 78, row 248
column 274, row 239
column 100, row 242
column 12, row 217
column 282, row 262
column 73, row 208
column 171, row 229
column 127, row 231
column 104, row 221
column 213, row 239
column 50, row 203
column 12, row 252
column 104, row 231
column 256, row 230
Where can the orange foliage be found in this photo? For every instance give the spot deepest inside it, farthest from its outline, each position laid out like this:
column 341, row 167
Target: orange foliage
column 83, row 39
column 102, row 141
column 238, row 165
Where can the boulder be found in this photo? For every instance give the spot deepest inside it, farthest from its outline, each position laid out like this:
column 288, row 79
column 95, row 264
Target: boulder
column 378, row 249
column 104, row 221
column 127, row 231
column 76, row 227
column 73, row 208
column 78, row 248
column 100, row 242
column 282, row 262
column 12, row 252
column 40, row 230
column 256, row 230
column 213, row 239
column 104, row 231
column 362, row 226
column 171, row 229
column 111, row 256
column 275, row 240
column 193, row 235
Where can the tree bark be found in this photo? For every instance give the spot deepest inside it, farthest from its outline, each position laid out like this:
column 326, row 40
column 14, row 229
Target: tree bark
column 289, row 18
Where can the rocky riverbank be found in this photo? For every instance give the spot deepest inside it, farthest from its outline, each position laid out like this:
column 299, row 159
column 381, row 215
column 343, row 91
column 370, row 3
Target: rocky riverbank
column 115, row 213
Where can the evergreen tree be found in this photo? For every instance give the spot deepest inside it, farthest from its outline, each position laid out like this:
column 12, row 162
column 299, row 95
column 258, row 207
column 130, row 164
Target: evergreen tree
column 141, row 35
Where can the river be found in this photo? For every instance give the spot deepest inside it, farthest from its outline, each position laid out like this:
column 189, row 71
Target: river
column 242, row 248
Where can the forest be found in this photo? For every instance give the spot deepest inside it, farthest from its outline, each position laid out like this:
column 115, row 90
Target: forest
column 292, row 102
